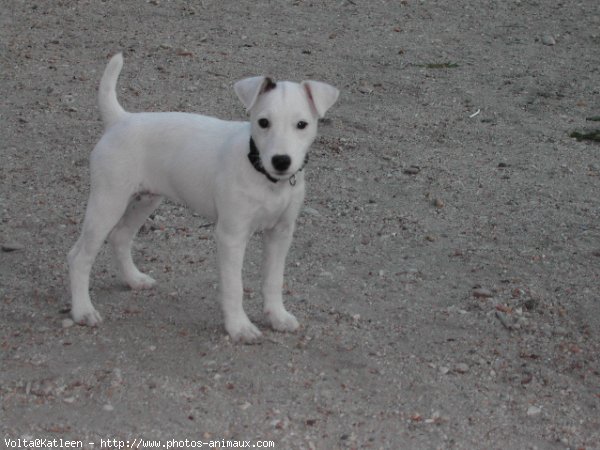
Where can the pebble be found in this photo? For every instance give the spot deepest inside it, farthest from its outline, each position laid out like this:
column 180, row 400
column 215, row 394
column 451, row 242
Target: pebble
column 42, row 389
column 435, row 418
column 412, row 170
column 280, row 424
column 117, row 377
column 108, row 407
column 560, row 331
column 533, row 410
column 12, row 247
column 311, row 211
column 461, row 368
column 531, row 303
column 548, row 39
column 482, row 293
column 67, row 323
column 439, row 203
column 504, row 320
column 365, row 88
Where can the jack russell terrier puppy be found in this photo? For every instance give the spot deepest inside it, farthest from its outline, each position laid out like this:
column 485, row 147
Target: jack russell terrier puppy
column 245, row 176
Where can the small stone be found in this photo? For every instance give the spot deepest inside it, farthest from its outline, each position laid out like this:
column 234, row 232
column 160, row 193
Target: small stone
column 461, row 368
column 412, row 170
column 531, row 303
column 67, row 323
column 311, row 211
column 117, row 377
column 69, row 400
column 482, row 293
column 438, row 203
column 44, row 388
column 108, row 407
column 365, row 88
column 533, row 410
column 12, row 247
column 560, row 331
column 280, row 424
column 548, row 39
column 444, row 370
column 504, row 320
column 435, row 418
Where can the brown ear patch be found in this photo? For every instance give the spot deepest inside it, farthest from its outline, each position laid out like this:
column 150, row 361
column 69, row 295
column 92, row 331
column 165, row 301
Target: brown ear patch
column 268, row 85
column 311, row 100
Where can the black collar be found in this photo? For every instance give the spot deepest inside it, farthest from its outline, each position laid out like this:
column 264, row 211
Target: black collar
column 254, row 158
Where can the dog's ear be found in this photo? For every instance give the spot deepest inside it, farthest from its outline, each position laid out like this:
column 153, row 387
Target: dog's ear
column 321, row 96
column 249, row 89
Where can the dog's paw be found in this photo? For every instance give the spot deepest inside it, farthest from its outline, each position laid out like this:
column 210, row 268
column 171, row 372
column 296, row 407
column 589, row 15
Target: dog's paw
column 282, row 320
column 141, row 281
column 242, row 330
column 89, row 317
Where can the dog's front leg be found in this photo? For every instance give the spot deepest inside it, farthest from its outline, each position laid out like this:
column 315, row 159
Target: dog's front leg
column 230, row 253
column 276, row 245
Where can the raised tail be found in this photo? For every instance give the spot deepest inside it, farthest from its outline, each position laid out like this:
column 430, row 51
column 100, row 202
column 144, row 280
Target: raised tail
column 110, row 109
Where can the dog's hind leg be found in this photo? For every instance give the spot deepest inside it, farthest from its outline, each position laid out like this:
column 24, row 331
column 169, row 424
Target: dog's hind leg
column 121, row 239
column 102, row 213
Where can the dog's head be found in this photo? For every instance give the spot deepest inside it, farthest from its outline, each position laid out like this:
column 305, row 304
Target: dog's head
column 283, row 118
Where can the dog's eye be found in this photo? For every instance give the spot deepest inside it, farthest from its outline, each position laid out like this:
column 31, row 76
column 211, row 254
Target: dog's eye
column 263, row 123
column 301, row 125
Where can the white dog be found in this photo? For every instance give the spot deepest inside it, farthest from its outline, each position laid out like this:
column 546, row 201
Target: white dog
column 246, row 176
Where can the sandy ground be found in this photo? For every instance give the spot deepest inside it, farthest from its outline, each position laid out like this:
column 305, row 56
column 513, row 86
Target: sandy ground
column 445, row 268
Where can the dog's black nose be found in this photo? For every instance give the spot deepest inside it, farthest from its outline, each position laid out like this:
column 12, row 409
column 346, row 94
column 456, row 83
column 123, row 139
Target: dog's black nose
column 281, row 163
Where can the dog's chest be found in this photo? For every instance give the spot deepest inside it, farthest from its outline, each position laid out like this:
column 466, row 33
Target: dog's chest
column 271, row 209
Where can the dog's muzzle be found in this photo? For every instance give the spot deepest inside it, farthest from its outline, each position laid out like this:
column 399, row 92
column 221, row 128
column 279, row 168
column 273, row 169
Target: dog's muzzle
column 254, row 158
